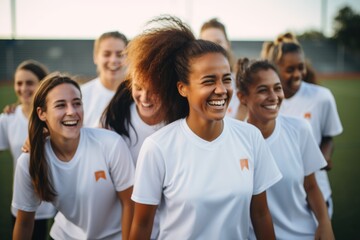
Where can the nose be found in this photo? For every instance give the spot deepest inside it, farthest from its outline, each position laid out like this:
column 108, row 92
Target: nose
column 70, row 110
column 22, row 87
column 220, row 88
column 145, row 95
column 297, row 74
column 114, row 58
column 274, row 96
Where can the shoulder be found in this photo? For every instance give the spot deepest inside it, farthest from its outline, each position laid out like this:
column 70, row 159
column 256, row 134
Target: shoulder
column 23, row 161
column 167, row 130
column 89, row 85
column 10, row 117
column 101, row 136
column 99, row 133
column 241, row 127
column 317, row 90
column 167, row 136
column 293, row 123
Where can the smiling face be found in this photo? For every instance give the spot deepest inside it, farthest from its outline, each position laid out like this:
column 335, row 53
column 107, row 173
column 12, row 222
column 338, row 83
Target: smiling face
column 209, row 89
column 110, row 59
column 264, row 97
column 147, row 103
column 25, row 85
column 64, row 112
column 292, row 70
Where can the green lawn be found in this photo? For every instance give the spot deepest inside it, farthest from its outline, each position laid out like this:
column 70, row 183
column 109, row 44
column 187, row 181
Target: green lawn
column 344, row 176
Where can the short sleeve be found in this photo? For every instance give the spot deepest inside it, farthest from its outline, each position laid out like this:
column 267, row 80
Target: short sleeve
column 24, row 196
column 331, row 124
column 121, row 165
column 312, row 157
column 266, row 172
column 149, row 174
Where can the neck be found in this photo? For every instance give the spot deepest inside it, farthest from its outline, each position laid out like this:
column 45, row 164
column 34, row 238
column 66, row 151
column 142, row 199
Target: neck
column 151, row 120
column 266, row 127
column 26, row 109
column 207, row 130
column 112, row 85
column 64, row 149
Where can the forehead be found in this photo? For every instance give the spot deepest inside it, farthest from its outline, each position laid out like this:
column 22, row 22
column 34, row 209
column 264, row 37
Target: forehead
column 25, row 75
column 212, row 34
column 140, row 82
column 266, row 77
column 292, row 58
column 111, row 44
column 64, row 91
column 210, row 63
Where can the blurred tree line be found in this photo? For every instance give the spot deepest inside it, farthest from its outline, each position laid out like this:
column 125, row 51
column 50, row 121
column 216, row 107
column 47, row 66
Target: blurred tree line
column 346, row 30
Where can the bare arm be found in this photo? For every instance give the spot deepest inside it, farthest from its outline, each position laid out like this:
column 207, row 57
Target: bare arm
column 261, row 218
column 327, row 148
column 318, row 206
column 127, row 211
column 143, row 221
column 24, row 225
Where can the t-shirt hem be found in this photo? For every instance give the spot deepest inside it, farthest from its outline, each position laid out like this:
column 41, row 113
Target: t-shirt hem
column 262, row 189
column 144, row 201
column 124, row 186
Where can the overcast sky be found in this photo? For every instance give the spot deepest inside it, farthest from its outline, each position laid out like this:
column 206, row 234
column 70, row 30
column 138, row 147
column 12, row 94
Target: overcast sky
column 87, row 19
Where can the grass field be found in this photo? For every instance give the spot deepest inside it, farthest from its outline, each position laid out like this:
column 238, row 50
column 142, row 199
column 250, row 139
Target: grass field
column 344, row 177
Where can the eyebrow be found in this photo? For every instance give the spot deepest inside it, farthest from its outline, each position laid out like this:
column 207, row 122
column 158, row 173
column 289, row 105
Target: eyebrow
column 62, row 100
column 214, row 75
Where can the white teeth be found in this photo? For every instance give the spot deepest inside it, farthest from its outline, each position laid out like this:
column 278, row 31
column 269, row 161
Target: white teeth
column 114, row 68
column 272, row 107
column 217, row 103
column 146, row 104
column 69, row 123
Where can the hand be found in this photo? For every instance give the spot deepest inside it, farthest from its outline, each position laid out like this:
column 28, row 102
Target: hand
column 324, row 231
column 8, row 109
column 26, row 147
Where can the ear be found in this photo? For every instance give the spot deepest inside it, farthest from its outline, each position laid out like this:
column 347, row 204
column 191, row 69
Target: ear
column 41, row 114
column 182, row 88
column 242, row 98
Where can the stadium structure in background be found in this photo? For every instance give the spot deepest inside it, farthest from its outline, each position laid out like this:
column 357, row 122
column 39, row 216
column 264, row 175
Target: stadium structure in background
column 76, row 56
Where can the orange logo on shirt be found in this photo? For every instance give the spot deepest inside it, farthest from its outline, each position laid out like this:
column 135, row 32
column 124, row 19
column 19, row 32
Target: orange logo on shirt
column 307, row 115
column 244, row 164
column 100, row 174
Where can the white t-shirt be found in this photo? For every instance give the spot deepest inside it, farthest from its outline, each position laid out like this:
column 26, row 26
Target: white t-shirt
column 13, row 134
column 297, row 155
column 95, row 99
column 135, row 142
column 204, row 189
column 86, row 186
column 317, row 105
column 143, row 130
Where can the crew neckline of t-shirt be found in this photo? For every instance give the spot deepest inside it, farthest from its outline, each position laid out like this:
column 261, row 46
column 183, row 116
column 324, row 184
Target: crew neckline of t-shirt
column 297, row 94
column 198, row 140
column 276, row 131
column 73, row 161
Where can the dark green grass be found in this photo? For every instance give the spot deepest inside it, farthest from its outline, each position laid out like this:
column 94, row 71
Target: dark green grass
column 345, row 177
column 345, row 174
column 7, row 95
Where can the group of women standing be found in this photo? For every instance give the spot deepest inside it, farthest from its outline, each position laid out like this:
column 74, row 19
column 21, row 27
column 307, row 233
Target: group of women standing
column 199, row 174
